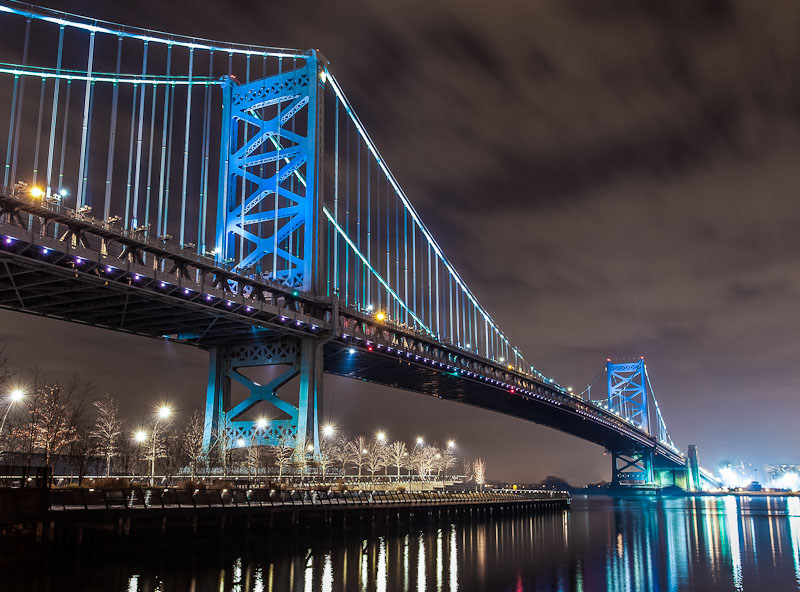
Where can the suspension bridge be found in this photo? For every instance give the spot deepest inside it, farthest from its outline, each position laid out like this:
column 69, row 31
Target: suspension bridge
column 227, row 196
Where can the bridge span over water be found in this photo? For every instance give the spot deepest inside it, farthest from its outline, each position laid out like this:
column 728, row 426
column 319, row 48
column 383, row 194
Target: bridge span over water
column 228, row 197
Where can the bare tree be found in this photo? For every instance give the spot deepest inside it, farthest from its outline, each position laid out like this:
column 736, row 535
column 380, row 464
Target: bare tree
column 192, row 435
column 284, row 454
column 107, row 429
column 479, row 472
column 174, row 454
column 326, row 454
column 81, row 447
column 398, row 456
column 444, row 460
column 467, row 469
column 54, row 412
column 340, row 453
column 223, row 442
column 357, row 451
column 423, row 460
column 376, row 458
column 128, row 451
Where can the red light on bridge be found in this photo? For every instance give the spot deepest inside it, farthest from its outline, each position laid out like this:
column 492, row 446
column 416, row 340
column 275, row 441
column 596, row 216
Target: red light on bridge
column 369, row 348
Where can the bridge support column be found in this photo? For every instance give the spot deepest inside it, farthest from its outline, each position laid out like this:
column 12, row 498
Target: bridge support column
column 631, row 468
column 224, row 428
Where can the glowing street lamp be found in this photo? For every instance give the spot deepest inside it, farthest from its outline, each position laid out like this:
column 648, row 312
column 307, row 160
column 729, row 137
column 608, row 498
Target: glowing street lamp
column 381, row 437
column 140, row 436
column 451, row 444
column 380, row 316
column 328, row 430
column 13, row 397
column 163, row 414
column 261, row 423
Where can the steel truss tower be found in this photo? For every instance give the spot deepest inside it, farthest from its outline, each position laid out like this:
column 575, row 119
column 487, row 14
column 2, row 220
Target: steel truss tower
column 268, row 223
column 628, row 397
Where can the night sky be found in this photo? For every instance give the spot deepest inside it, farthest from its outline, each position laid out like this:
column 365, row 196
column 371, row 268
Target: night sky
column 612, row 179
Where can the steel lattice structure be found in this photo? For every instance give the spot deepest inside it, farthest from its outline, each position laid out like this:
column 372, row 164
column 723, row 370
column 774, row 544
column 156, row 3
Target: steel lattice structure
column 227, row 196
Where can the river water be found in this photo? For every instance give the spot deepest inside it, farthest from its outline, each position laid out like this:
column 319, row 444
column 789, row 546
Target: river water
column 633, row 544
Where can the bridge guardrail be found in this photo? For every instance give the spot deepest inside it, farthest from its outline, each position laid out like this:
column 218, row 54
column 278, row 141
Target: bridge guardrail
column 145, row 499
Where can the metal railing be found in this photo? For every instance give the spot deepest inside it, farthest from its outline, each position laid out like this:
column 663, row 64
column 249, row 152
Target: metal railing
column 116, row 499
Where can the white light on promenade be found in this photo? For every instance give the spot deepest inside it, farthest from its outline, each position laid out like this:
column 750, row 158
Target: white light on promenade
column 16, row 395
column 140, row 436
column 164, row 412
column 327, row 430
column 261, row 423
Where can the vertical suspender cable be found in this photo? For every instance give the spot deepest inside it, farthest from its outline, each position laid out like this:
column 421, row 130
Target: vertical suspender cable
column 397, row 256
column 186, row 145
column 405, row 261
column 277, row 187
column 168, row 174
column 38, row 134
column 347, row 211
column 162, row 218
column 132, row 137
column 54, row 113
column 336, row 203
column 359, row 292
column 64, row 137
column 11, row 119
column 378, row 244
column 85, row 128
column 369, row 234
column 20, row 105
column 244, row 180
column 112, row 136
column 139, row 132
column 201, row 227
column 149, row 187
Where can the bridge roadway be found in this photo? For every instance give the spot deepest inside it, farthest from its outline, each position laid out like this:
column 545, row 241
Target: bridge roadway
column 57, row 263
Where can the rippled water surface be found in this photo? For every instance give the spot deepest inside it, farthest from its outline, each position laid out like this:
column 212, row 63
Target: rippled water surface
column 710, row 543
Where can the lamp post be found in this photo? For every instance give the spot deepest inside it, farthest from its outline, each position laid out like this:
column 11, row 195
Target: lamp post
column 163, row 413
column 13, row 397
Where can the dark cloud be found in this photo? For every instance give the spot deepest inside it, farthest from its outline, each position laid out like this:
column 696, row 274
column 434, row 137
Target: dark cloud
column 611, row 178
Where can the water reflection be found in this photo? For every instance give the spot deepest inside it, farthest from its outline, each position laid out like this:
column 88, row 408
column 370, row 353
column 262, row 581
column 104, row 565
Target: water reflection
column 663, row 545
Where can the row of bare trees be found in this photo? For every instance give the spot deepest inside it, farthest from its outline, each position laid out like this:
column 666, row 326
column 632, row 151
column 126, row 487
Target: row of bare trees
column 69, row 429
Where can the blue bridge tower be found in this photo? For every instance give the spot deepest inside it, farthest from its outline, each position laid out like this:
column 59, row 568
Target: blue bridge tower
column 268, row 223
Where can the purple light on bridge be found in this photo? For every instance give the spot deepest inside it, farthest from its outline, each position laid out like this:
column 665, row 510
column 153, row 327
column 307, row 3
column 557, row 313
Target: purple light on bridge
column 163, row 284
column 45, row 251
column 248, row 309
column 8, row 240
column 186, row 290
column 208, row 297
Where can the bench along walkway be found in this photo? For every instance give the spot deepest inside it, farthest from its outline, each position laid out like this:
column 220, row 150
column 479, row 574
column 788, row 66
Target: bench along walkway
column 78, row 517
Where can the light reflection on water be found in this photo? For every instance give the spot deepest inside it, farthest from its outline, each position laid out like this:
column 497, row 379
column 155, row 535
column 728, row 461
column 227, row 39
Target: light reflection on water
column 633, row 544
